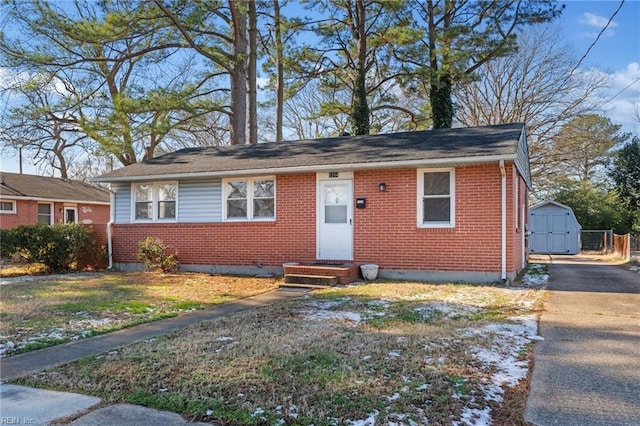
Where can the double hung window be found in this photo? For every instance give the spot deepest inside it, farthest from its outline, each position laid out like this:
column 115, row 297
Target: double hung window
column 436, row 198
column 155, row 201
column 249, row 198
column 7, row 206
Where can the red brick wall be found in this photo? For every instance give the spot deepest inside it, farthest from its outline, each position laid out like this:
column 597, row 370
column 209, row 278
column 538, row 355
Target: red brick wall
column 27, row 213
column 385, row 232
column 292, row 237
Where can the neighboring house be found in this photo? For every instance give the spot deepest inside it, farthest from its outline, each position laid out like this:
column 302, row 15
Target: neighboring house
column 554, row 229
column 447, row 204
column 29, row 199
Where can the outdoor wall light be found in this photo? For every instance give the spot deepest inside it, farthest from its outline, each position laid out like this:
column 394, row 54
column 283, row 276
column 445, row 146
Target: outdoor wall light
column 382, row 186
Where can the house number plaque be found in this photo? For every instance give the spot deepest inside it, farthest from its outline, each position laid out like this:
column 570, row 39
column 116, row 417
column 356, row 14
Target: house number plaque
column 334, row 174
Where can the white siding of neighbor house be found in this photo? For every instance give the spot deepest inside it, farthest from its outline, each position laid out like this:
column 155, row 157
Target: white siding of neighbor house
column 200, row 201
column 123, row 202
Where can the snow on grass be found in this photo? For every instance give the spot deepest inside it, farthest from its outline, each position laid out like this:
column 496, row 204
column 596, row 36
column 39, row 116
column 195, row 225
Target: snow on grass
column 502, row 357
column 536, row 275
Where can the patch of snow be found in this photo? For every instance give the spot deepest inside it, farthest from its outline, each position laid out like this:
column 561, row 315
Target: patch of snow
column 87, row 323
column 535, row 280
column 447, row 310
column 393, row 397
column 369, row 421
column 422, row 387
column 334, row 316
column 502, row 359
column 394, row 354
column 224, row 339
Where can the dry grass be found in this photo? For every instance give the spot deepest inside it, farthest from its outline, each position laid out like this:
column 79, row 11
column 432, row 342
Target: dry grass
column 18, row 269
column 398, row 353
column 46, row 311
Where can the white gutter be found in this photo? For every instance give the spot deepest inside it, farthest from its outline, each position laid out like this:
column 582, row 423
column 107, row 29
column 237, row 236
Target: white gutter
column 109, row 236
column 449, row 162
column 503, row 175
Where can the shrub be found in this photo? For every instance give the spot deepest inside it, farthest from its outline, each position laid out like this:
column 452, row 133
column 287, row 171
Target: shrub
column 58, row 247
column 7, row 244
column 152, row 251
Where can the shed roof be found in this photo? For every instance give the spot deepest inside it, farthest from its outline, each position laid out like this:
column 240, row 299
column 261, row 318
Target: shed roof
column 441, row 146
column 16, row 185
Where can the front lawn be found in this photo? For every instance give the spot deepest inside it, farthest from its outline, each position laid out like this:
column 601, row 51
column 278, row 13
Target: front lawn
column 49, row 311
column 382, row 353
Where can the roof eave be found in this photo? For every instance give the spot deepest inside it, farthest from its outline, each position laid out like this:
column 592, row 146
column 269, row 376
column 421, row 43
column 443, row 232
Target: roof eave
column 455, row 161
column 53, row 200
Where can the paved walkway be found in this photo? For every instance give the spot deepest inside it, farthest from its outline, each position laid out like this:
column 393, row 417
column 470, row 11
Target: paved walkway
column 587, row 370
column 24, row 405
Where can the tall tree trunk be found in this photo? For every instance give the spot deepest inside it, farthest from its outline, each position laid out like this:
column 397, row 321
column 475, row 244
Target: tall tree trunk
column 238, row 75
column 279, row 70
column 360, row 106
column 253, row 73
column 440, row 82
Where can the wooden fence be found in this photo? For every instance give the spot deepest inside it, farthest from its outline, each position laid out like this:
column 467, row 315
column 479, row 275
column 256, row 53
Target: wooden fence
column 622, row 245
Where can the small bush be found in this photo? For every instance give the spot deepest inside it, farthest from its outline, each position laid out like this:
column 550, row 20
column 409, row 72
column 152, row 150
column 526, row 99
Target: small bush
column 58, row 247
column 152, row 252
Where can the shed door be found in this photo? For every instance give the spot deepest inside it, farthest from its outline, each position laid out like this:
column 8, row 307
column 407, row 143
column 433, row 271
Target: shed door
column 550, row 233
column 335, row 228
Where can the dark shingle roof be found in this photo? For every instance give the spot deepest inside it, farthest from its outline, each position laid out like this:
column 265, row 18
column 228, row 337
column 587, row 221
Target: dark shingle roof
column 15, row 185
column 363, row 151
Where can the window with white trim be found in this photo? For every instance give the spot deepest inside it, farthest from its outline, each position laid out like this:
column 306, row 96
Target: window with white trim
column 45, row 213
column 7, row 206
column 70, row 214
column 154, row 201
column 436, row 198
column 249, row 198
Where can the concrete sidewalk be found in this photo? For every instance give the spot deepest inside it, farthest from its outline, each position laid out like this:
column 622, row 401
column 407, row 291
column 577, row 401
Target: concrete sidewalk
column 24, row 405
column 587, row 370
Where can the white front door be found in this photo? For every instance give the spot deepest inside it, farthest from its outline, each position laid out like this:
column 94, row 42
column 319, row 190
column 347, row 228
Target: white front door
column 335, row 219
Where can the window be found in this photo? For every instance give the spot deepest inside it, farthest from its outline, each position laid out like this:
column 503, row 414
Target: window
column 436, row 201
column 45, row 213
column 7, row 206
column 155, row 201
column 70, row 215
column 249, row 199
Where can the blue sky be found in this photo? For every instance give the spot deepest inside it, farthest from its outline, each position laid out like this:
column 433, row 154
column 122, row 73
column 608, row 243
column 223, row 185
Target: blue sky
column 616, row 54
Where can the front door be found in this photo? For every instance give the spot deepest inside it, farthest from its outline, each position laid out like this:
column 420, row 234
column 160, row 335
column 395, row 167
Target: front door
column 335, row 219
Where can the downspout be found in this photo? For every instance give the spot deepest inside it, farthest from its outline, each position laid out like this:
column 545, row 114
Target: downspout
column 112, row 205
column 503, row 224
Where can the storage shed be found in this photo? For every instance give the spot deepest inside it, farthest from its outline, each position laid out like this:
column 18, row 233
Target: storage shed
column 554, row 229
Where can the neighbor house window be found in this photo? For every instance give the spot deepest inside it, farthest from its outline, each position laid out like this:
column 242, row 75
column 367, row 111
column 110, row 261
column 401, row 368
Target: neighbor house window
column 250, row 198
column 7, row 206
column 45, row 213
column 155, row 201
column 70, row 215
column 436, row 198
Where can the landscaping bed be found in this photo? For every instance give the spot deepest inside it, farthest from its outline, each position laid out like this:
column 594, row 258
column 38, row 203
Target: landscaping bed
column 42, row 311
column 381, row 353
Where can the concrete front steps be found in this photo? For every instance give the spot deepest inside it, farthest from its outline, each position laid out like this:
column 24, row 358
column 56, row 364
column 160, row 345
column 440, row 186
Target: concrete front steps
column 319, row 275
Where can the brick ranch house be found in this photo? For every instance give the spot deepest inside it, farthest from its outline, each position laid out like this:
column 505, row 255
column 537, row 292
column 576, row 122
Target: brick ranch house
column 443, row 205
column 29, row 199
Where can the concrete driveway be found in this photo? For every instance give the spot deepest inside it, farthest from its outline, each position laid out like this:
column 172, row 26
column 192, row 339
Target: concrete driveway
column 587, row 368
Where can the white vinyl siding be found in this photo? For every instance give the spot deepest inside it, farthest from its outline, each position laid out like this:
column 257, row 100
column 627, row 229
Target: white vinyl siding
column 200, row 201
column 122, row 210
column 436, row 198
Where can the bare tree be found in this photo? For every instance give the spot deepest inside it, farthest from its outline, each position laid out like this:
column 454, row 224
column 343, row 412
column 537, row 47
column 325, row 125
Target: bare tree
column 537, row 86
